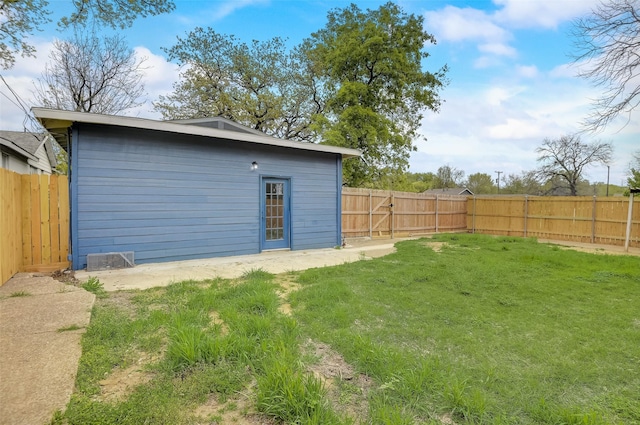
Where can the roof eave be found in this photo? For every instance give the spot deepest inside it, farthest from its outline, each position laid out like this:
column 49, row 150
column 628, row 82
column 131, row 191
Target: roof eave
column 58, row 122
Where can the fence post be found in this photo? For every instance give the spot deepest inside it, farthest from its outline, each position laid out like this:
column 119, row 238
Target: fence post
column 473, row 220
column 629, row 217
column 391, row 217
column 526, row 213
column 370, row 216
column 593, row 221
column 437, row 206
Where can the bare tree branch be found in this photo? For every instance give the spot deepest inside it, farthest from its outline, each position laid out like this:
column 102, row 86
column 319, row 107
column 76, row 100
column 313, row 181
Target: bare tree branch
column 567, row 157
column 608, row 43
column 91, row 75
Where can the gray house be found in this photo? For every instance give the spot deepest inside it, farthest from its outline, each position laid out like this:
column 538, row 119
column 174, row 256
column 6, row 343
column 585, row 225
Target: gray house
column 177, row 190
column 27, row 153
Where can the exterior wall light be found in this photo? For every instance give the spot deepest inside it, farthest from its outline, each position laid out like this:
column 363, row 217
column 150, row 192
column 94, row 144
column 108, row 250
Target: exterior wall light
column 254, row 166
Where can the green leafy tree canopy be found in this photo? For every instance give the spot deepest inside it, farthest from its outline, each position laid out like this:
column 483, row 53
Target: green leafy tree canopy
column 525, row 183
column 369, row 65
column 260, row 85
column 20, row 18
column 481, row 184
column 448, row 177
column 17, row 19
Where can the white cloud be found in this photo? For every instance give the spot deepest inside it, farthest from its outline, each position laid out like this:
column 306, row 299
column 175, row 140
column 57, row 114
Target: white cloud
column 540, row 13
column 159, row 76
column 487, row 127
column 516, row 129
column 492, row 32
column 498, row 49
column 21, row 81
column 226, row 8
column 498, row 95
column 530, row 71
column 460, row 24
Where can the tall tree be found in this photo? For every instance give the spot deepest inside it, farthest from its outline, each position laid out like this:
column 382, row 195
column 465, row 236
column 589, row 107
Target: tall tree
column 369, row 66
column 525, row 183
column 88, row 74
column 481, row 184
column 565, row 159
column 448, row 177
column 260, row 85
column 419, row 182
column 20, row 18
column 608, row 41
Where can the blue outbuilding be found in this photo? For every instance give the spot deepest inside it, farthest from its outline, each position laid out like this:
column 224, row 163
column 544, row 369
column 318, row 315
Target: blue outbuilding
column 178, row 190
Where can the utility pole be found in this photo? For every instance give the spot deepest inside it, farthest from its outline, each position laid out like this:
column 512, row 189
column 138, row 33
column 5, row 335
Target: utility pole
column 498, row 179
column 607, row 180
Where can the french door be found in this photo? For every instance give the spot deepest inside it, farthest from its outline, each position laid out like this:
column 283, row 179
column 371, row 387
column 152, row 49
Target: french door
column 275, row 225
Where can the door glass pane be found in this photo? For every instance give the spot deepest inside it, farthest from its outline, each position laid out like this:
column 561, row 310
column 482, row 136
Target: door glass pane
column 274, row 203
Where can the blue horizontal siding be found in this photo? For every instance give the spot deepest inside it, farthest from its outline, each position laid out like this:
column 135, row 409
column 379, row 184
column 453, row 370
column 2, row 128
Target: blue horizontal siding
column 171, row 197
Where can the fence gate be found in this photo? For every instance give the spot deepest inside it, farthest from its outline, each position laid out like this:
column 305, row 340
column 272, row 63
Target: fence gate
column 381, row 215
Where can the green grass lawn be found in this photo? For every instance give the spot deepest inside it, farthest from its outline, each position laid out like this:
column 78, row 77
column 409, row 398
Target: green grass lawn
column 458, row 329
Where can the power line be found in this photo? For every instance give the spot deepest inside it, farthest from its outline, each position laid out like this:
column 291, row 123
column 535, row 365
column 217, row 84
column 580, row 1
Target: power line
column 20, row 104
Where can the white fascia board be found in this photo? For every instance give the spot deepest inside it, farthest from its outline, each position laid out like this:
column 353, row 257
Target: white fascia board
column 54, row 118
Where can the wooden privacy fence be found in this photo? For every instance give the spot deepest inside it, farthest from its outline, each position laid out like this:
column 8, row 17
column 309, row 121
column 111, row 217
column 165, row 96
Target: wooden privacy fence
column 579, row 219
column 367, row 212
column 34, row 223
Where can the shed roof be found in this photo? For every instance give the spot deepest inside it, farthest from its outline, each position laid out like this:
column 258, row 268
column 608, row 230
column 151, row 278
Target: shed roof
column 58, row 122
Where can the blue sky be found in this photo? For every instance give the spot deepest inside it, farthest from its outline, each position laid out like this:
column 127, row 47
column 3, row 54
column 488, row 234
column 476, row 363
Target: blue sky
column 511, row 81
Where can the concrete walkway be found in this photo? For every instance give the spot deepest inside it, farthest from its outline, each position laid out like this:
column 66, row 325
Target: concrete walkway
column 162, row 274
column 41, row 323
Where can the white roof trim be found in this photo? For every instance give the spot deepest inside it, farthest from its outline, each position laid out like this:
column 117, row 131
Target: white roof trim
column 57, row 119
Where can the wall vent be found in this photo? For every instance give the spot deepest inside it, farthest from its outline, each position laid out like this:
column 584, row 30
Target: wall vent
column 109, row 261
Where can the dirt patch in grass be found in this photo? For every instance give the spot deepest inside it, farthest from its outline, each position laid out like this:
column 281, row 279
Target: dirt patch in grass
column 592, row 248
column 446, row 419
column 346, row 389
column 121, row 382
column 121, row 300
column 217, row 321
column 435, row 246
column 237, row 410
column 288, row 284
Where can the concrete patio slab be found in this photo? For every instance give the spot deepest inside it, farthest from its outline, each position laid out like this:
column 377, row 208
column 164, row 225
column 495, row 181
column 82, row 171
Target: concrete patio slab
column 162, row 274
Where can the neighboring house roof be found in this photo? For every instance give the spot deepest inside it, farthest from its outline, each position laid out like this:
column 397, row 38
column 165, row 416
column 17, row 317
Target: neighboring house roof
column 58, row 122
column 34, row 147
column 452, row 191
